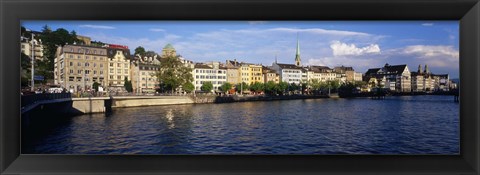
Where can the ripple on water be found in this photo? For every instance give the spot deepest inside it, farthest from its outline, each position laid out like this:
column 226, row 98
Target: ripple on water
column 396, row 125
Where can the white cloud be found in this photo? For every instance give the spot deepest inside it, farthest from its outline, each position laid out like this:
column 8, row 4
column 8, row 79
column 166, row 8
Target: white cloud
column 97, row 26
column 320, row 31
column 427, row 24
column 157, row 30
column 340, row 49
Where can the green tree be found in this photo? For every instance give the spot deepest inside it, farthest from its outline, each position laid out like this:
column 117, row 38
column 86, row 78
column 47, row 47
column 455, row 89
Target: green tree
column 241, row 86
column 51, row 40
column 270, row 88
column 95, row 86
column 188, row 87
column 207, row 86
column 172, row 73
column 293, row 87
column 282, row 87
column 140, row 51
column 25, row 62
column 128, row 85
column 226, row 87
column 257, row 87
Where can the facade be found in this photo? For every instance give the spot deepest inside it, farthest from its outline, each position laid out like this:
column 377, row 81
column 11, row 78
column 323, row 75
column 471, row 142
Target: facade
column 233, row 72
column 394, row 77
column 85, row 39
column 212, row 72
column 250, row 73
column 168, row 50
column 270, row 75
column 26, row 47
column 76, row 67
column 143, row 73
column 426, row 81
column 118, row 68
column 348, row 74
column 289, row 73
column 321, row 73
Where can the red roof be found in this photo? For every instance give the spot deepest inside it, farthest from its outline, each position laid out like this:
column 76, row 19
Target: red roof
column 117, row 46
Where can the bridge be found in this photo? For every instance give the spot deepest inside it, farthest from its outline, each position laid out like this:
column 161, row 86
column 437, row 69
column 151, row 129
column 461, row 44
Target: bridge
column 63, row 102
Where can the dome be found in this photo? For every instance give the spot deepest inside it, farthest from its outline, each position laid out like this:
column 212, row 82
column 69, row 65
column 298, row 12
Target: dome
column 169, row 46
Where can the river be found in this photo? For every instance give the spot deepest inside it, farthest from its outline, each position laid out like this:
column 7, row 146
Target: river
column 395, row 125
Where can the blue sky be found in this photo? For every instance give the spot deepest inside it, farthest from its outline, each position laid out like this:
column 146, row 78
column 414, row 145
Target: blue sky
column 361, row 44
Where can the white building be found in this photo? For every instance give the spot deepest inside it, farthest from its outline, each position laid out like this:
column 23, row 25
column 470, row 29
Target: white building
column 289, row 73
column 212, row 72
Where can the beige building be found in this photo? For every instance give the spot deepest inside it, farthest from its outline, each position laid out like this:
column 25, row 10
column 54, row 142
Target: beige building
column 118, row 68
column 26, row 47
column 143, row 73
column 250, row 73
column 233, row 72
column 76, row 67
column 168, row 50
column 270, row 75
column 85, row 39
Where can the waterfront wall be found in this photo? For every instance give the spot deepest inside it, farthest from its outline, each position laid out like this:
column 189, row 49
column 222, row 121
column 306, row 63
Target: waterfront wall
column 231, row 99
column 121, row 102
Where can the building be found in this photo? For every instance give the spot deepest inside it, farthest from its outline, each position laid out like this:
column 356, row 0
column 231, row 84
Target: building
column 250, row 73
column 118, row 68
column 394, row 77
column 85, row 39
column 168, row 50
column 289, row 73
column 426, row 81
column 347, row 74
column 212, row 72
column 233, row 71
column 143, row 73
column 321, row 73
column 270, row 75
column 76, row 67
column 26, row 47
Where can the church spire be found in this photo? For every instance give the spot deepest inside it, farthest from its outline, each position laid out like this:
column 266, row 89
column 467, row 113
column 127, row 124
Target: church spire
column 298, row 61
column 419, row 68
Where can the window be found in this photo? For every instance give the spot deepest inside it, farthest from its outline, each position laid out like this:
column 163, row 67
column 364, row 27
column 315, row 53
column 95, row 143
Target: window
column 71, row 56
column 119, row 71
column 71, row 63
column 94, row 52
column 126, row 70
column 126, row 64
column 87, row 71
column 71, row 71
column 87, row 64
column 94, row 64
column 87, row 57
column 119, row 77
column 94, row 72
column 70, row 78
column 111, row 64
column 101, row 72
column 79, row 57
column 111, row 70
column 111, row 76
column 119, row 65
column 101, row 65
column 79, row 71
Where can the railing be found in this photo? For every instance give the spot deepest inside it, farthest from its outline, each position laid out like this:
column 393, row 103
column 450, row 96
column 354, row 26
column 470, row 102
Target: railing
column 34, row 98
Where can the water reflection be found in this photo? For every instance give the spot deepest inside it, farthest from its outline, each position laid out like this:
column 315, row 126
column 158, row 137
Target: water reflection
column 396, row 125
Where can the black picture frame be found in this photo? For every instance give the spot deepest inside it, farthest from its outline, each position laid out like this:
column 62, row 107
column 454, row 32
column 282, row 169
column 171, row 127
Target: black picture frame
column 466, row 11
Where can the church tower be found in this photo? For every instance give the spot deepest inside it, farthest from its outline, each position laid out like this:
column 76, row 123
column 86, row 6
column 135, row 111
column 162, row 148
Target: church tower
column 298, row 61
column 426, row 69
column 419, row 68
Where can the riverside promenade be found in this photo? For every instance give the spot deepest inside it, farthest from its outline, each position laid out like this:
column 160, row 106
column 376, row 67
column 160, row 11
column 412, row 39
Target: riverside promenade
column 65, row 104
